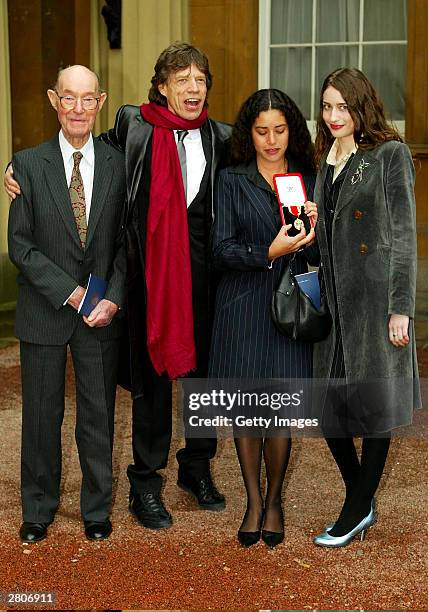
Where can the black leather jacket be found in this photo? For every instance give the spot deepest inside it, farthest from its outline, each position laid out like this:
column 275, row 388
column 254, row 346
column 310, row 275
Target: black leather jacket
column 132, row 134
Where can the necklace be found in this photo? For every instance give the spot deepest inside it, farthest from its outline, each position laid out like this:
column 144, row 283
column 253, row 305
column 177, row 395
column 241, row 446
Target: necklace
column 343, row 159
column 268, row 175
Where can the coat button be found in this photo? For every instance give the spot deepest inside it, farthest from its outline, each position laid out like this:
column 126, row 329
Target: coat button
column 358, row 215
column 363, row 249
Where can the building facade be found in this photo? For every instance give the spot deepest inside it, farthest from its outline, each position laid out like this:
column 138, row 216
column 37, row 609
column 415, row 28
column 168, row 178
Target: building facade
column 290, row 44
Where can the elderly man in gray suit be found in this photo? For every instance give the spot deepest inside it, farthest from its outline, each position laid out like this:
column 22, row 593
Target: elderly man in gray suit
column 65, row 225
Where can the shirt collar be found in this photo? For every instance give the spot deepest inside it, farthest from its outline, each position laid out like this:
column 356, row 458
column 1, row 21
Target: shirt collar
column 67, row 149
column 332, row 154
column 251, row 171
column 192, row 134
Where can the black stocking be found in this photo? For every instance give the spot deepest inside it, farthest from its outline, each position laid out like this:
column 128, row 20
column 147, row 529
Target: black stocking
column 357, row 505
column 345, row 455
column 276, row 452
column 373, row 459
column 250, row 455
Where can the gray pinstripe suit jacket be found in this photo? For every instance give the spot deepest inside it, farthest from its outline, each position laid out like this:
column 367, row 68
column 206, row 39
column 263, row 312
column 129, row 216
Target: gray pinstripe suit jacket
column 45, row 247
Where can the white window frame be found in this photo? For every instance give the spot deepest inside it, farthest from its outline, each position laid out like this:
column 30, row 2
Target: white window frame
column 265, row 46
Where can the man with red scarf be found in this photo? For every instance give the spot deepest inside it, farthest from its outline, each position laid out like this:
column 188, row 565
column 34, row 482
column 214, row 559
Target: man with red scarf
column 170, row 293
column 170, row 289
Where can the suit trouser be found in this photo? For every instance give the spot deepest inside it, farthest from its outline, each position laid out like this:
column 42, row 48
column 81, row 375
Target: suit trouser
column 152, row 413
column 43, row 385
column 151, row 439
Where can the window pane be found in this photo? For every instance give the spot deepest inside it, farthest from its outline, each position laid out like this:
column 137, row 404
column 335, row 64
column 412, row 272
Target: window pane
column 385, row 20
column 330, row 58
column 290, row 71
column 338, row 20
column 385, row 66
column 291, row 21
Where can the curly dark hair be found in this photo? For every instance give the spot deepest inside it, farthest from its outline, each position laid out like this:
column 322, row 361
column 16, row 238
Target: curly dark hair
column 178, row 56
column 299, row 141
column 371, row 126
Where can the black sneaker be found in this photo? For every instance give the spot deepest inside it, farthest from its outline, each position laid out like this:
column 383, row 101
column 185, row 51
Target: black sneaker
column 204, row 490
column 149, row 510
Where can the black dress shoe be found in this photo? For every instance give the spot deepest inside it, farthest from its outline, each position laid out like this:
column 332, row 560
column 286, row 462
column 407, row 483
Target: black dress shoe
column 204, row 490
column 97, row 531
column 149, row 510
column 272, row 538
column 33, row 532
column 248, row 538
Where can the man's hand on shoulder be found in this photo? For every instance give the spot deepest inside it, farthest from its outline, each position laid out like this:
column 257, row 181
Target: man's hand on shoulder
column 11, row 186
column 102, row 314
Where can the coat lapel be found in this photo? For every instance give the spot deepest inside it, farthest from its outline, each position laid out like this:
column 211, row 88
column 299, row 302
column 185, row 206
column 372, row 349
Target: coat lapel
column 217, row 149
column 359, row 172
column 57, row 184
column 103, row 174
column 139, row 134
column 319, row 188
column 260, row 200
column 219, row 142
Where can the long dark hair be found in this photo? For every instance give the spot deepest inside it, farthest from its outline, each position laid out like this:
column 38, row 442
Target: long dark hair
column 178, row 56
column 371, row 126
column 299, row 140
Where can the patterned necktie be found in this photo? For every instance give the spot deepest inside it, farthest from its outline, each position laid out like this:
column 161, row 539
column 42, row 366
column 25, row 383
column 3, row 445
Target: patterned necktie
column 182, row 157
column 77, row 196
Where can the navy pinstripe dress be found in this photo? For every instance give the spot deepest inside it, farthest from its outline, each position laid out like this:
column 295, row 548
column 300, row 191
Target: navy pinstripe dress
column 245, row 342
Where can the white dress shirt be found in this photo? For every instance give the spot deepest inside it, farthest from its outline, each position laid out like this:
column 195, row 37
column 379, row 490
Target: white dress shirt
column 86, row 166
column 195, row 161
column 338, row 164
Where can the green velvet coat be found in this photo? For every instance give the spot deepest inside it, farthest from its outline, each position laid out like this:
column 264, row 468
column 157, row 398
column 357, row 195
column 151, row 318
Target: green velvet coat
column 374, row 262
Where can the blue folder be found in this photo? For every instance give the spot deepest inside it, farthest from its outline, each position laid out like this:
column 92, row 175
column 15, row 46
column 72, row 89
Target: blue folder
column 309, row 284
column 95, row 291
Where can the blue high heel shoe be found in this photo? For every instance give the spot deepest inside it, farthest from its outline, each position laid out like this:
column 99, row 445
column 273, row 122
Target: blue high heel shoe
column 329, row 541
column 331, row 525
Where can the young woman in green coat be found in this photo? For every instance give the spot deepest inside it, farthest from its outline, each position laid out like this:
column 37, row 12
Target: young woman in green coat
column 367, row 237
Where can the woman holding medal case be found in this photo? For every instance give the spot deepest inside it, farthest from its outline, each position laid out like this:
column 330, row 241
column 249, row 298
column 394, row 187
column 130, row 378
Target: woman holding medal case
column 251, row 248
column 366, row 233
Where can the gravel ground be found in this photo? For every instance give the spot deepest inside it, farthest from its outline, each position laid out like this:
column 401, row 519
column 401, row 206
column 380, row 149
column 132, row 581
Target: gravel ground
column 198, row 564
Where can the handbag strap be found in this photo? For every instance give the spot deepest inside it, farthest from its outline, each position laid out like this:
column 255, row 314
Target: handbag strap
column 291, row 261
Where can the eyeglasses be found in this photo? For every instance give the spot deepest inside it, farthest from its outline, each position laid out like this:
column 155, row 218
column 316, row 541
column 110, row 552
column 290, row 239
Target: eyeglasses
column 68, row 102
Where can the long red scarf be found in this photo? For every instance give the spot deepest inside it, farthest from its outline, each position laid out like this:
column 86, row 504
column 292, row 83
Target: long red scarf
column 170, row 334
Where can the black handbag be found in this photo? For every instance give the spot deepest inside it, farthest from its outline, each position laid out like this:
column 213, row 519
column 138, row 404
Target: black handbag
column 294, row 313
